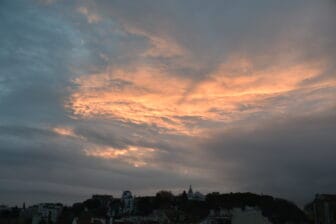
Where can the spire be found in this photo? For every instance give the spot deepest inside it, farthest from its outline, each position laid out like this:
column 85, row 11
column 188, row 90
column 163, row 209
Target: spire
column 190, row 191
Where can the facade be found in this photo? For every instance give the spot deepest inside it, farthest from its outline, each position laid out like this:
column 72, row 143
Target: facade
column 323, row 209
column 219, row 216
column 47, row 212
column 250, row 215
column 127, row 202
column 157, row 217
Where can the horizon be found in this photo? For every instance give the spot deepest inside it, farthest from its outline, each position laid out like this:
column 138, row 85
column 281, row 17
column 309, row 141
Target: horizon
column 118, row 195
column 100, row 96
column 175, row 192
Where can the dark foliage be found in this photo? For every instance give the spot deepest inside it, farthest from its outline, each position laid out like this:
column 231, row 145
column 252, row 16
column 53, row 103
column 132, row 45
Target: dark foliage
column 178, row 208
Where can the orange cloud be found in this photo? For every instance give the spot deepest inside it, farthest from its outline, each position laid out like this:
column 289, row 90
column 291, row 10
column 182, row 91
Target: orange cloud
column 135, row 156
column 65, row 131
column 150, row 95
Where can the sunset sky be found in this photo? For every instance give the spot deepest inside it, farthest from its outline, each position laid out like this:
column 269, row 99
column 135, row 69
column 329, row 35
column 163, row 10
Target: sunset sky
column 107, row 95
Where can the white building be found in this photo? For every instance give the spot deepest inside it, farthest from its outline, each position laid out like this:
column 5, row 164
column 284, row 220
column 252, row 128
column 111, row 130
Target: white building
column 47, row 212
column 127, row 202
column 250, row 215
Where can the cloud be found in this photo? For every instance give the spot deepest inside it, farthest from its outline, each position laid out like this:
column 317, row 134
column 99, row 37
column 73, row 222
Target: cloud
column 256, row 29
column 91, row 17
column 136, row 156
column 64, row 131
column 65, row 169
column 101, row 96
column 289, row 157
column 234, row 92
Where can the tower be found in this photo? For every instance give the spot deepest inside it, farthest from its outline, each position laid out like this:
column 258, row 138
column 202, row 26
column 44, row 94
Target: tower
column 127, row 202
column 190, row 193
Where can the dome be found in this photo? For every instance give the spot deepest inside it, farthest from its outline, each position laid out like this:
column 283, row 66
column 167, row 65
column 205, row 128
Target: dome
column 127, row 194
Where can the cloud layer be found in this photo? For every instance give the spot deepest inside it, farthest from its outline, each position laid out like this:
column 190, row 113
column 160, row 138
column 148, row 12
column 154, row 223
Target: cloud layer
column 101, row 96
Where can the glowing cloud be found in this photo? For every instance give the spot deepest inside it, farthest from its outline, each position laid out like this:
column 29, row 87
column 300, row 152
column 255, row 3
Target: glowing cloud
column 151, row 95
column 65, row 131
column 135, row 156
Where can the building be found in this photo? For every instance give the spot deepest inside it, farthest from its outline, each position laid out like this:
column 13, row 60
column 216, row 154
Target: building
column 218, row 216
column 323, row 209
column 47, row 212
column 127, row 202
column 89, row 219
column 197, row 196
column 157, row 217
column 250, row 215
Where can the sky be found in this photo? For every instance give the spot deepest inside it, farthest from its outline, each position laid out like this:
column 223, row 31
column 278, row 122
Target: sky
column 108, row 95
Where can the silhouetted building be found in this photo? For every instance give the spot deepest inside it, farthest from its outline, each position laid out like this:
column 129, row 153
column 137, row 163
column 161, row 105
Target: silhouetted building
column 323, row 209
column 105, row 200
column 47, row 212
column 197, row 196
column 250, row 215
column 127, row 202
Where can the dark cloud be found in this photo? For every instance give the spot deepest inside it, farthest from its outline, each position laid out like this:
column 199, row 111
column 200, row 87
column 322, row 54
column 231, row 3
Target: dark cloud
column 265, row 30
column 40, row 162
column 290, row 157
column 34, row 55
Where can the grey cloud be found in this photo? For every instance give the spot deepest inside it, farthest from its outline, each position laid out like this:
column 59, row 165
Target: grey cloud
column 32, row 63
column 213, row 31
column 290, row 157
column 53, row 167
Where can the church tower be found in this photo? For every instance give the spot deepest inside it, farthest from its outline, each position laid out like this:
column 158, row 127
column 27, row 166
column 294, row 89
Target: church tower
column 190, row 193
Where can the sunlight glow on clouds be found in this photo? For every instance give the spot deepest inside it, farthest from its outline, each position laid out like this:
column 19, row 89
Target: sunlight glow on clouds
column 150, row 95
column 133, row 155
column 65, row 131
